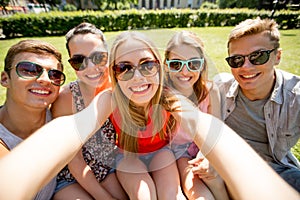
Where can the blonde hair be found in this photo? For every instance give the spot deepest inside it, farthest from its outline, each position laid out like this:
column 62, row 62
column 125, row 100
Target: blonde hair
column 255, row 26
column 192, row 40
column 128, row 110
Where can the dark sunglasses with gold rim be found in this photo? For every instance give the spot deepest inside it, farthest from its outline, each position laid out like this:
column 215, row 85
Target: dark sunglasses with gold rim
column 124, row 71
column 80, row 62
column 30, row 70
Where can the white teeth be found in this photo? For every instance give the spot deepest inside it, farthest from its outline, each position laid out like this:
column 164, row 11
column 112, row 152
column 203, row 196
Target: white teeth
column 139, row 89
column 40, row 91
column 93, row 76
column 249, row 76
column 184, row 78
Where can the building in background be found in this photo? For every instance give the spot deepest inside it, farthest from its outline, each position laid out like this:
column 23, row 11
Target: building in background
column 167, row 4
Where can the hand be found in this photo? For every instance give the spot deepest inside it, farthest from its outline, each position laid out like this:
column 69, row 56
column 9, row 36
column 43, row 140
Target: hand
column 202, row 168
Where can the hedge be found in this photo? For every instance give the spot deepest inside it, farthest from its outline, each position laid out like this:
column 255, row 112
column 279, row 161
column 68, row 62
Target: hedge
column 58, row 23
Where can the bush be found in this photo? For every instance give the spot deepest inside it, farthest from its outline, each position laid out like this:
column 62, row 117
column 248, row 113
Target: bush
column 58, row 23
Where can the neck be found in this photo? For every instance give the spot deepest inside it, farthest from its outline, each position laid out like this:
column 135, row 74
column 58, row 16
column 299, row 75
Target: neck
column 257, row 94
column 21, row 121
column 188, row 92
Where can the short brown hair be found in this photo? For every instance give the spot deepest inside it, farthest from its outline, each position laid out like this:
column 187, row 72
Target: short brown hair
column 254, row 26
column 31, row 46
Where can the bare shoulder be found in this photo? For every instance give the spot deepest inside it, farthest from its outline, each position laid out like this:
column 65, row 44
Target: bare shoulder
column 63, row 105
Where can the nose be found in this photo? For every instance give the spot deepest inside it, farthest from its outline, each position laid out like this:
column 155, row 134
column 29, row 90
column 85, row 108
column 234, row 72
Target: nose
column 137, row 74
column 247, row 63
column 44, row 78
column 184, row 69
column 88, row 63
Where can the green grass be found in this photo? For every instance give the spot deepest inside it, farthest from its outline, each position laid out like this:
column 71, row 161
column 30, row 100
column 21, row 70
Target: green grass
column 214, row 38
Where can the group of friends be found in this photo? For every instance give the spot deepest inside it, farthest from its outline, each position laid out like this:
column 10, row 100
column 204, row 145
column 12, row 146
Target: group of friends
column 134, row 125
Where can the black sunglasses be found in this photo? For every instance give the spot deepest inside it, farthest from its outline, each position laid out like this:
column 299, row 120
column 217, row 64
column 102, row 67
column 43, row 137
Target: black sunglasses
column 80, row 62
column 256, row 58
column 193, row 65
column 29, row 70
column 124, row 71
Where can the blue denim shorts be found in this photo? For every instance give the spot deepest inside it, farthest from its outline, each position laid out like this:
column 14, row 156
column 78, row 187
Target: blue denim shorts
column 145, row 158
column 64, row 183
column 181, row 150
column 289, row 174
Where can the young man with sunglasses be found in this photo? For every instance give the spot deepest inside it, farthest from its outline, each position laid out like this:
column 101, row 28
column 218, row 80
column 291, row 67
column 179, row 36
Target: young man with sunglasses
column 32, row 76
column 262, row 103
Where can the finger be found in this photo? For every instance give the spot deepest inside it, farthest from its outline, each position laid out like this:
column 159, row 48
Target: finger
column 195, row 161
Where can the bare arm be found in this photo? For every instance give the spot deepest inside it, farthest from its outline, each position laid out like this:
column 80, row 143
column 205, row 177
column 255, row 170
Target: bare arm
column 50, row 149
column 233, row 158
column 78, row 167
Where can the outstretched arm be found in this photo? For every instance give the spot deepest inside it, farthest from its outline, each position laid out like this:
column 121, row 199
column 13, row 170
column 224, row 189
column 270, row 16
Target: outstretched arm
column 245, row 173
column 39, row 158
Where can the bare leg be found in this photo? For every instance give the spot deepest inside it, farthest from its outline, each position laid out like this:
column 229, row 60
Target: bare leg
column 193, row 186
column 217, row 187
column 136, row 181
column 113, row 186
column 166, row 176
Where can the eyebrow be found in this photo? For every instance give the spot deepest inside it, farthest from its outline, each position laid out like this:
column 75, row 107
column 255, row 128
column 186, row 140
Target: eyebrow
column 185, row 59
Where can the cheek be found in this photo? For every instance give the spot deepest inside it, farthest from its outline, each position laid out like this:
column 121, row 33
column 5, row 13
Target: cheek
column 234, row 72
column 196, row 77
column 124, row 88
column 79, row 74
column 156, row 79
column 172, row 77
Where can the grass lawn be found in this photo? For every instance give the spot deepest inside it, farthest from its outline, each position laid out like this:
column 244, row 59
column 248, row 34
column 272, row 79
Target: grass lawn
column 214, row 38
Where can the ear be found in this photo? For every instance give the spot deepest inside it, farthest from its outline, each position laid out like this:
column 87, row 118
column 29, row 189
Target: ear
column 5, row 79
column 278, row 56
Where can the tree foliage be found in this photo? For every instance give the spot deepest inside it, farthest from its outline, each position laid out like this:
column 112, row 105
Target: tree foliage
column 3, row 4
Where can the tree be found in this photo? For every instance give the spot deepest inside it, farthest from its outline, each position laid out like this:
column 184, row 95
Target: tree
column 115, row 3
column 3, row 4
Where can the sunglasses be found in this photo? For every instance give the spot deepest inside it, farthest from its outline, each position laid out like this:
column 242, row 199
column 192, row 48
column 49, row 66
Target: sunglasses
column 80, row 62
column 256, row 58
column 29, row 70
column 124, row 71
column 193, row 65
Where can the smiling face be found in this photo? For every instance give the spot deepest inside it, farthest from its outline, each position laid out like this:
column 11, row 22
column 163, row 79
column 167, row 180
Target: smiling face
column 34, row 93
column 184, row 80
column 87, row 44
column 139, row 89
column 256, row 81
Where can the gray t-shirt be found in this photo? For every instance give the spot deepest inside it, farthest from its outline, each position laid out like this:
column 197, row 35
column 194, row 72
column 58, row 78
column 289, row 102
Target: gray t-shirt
column 248, row 121
column 11, row 140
